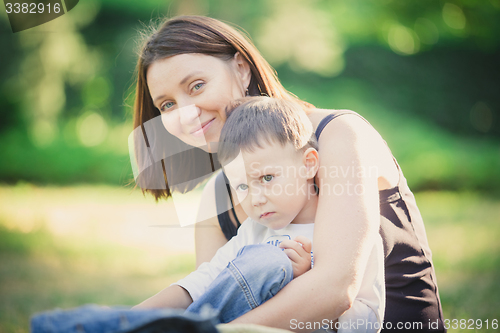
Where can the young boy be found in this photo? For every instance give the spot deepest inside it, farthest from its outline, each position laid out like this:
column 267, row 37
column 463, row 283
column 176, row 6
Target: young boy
column 269, row 155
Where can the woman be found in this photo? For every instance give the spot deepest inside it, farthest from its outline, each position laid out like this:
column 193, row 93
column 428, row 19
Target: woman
column 188, row 72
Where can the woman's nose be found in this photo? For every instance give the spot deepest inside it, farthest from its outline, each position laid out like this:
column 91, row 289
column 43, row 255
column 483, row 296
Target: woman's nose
column 258, row 197
column 189, row 115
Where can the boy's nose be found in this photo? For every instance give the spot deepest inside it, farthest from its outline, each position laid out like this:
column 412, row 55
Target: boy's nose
column 258, row 198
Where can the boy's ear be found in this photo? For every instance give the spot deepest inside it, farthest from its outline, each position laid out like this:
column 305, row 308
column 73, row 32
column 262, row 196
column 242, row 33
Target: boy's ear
column 310, row 158
column 243, row 69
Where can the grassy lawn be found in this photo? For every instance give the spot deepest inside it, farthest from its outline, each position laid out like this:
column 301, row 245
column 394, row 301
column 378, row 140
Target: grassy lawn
column 463, row 231
column 65, row 247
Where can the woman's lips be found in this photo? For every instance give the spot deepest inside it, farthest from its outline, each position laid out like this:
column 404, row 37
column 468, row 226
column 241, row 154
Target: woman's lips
column 203, row 129
column 266, row 215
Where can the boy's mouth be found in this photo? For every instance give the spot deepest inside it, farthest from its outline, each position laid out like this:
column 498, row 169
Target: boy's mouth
column 266, row 215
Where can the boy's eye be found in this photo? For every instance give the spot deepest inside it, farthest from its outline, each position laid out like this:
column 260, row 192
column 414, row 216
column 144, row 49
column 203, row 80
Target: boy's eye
column 267, row 178
column 165, row 106
column 242, row 187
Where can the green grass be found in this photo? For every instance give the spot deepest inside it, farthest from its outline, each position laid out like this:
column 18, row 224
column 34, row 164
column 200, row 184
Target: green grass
column 40, row 272
column 463, row 231
column 41, row 268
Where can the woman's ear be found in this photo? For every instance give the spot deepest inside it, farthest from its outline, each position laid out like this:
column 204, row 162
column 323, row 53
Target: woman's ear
column 310, row 159
column 243, row 69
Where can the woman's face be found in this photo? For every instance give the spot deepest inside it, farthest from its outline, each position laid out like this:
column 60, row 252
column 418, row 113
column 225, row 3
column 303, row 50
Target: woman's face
column 192, row 91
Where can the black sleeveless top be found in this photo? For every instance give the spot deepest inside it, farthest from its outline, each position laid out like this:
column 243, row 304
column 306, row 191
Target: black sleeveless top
column 224, row 205
column 410, row 281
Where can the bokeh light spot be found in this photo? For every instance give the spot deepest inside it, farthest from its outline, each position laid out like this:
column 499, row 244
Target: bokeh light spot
column 453, row 16
column 314, row 45
column 43, row 133
column 403, row 40
column 92, row 129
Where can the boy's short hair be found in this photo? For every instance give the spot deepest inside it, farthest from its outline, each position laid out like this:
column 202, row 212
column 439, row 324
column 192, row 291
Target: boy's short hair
column 253, row 119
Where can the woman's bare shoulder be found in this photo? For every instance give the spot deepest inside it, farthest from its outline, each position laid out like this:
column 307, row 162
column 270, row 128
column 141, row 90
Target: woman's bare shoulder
column 345, row 127
column 349, row 133
column 316, row 115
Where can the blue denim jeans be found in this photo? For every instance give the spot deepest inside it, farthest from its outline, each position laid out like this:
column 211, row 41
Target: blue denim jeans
column 96, row 319
column 256, row 274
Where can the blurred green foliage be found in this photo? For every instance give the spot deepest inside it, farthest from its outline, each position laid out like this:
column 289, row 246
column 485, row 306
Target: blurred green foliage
column 424, row 73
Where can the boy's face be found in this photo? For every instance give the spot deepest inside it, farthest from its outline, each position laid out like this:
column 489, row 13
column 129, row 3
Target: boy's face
column 274, row 184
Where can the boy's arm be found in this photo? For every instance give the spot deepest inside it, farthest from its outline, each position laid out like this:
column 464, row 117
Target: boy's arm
column 185, row 291
column 198, row 281
column 171, row 297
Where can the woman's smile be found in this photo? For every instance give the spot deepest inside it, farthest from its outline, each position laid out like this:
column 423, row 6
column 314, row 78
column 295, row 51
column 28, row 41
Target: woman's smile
column 203, row 128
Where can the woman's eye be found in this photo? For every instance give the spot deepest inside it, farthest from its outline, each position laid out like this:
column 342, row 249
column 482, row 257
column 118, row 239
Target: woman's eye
column 166, row 106
column 197, row 87
column 267, row 178
column 242, row 187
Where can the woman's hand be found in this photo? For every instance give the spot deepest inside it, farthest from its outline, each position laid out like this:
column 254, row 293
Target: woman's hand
column 299, row 252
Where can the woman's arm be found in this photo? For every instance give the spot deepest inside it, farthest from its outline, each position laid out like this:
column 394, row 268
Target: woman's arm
column 346, row 225
column 208, row 236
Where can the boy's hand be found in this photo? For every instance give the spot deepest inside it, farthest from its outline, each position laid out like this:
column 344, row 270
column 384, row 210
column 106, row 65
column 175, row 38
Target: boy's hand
column 299, row 252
